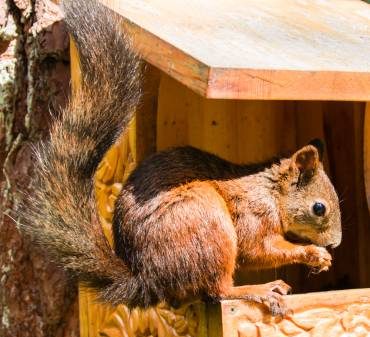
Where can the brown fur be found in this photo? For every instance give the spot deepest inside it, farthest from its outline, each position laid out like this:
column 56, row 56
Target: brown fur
column 185, row 218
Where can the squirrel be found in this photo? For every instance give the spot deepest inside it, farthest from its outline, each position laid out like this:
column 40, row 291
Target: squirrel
column 185, row 218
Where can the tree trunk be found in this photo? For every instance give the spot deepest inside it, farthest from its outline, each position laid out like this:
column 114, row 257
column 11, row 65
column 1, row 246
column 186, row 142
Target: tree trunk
column 36, row 298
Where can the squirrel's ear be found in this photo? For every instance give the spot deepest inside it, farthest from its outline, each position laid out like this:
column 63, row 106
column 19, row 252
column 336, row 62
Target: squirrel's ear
column 305, row 161
column 320, row 146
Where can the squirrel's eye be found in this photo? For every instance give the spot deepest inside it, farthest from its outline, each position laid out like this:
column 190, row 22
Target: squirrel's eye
column 319, row 209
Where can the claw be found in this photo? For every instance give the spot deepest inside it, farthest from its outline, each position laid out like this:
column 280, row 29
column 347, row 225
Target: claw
column 276, row 305
column 269, row 294
column 279, row 287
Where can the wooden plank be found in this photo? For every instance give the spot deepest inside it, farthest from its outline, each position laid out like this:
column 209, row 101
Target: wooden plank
column 313, row 50
column 146, row 114
column 332, row 313
column 364, row 233
column 289, row 85
column 344, row 140
column 367, row 152
column 240, row 131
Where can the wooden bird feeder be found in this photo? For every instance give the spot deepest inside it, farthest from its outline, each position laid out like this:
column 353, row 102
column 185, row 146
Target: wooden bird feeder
column 249, row 80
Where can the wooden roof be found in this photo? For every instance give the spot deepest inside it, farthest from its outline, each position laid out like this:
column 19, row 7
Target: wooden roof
column 253, row 49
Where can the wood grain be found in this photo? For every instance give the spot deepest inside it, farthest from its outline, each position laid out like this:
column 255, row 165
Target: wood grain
column 312, row 50
column 240, row 131
column 333, row 313
column 146, row 114
column 367, row 152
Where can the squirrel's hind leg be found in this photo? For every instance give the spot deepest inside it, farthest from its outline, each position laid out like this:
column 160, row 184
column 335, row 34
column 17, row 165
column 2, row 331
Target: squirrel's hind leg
column 185, row 246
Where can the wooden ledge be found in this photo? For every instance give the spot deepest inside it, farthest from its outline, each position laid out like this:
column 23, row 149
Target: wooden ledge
column 332, row 313
column 311, row 50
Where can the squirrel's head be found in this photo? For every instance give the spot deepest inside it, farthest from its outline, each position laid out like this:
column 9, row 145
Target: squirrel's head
column 309, row 204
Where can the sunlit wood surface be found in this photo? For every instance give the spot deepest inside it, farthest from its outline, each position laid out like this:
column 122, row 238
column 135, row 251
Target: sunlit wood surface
column 330, row 314
column 252, row 49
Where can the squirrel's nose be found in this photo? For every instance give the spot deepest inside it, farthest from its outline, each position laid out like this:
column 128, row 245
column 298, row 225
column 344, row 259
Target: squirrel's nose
column 336, row 240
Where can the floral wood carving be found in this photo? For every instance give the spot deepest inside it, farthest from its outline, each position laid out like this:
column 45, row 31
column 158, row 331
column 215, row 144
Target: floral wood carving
column 354, row 321
column 100, row 320
column 112, row 172
column 160, row 321
column 332, row 314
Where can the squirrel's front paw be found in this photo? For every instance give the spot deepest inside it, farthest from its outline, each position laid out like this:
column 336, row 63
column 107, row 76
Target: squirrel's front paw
column 318, row 258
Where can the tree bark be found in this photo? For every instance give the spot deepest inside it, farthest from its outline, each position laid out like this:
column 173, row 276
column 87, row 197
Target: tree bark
column 36, row 298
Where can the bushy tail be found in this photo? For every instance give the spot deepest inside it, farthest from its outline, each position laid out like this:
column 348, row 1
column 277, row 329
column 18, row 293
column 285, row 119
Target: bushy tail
column 61, row 213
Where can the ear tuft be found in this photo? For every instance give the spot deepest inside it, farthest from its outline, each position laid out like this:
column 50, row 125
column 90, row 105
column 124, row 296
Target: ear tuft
column 319, row 145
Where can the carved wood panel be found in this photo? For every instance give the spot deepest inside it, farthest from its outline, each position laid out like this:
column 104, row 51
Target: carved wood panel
column 334, row 313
